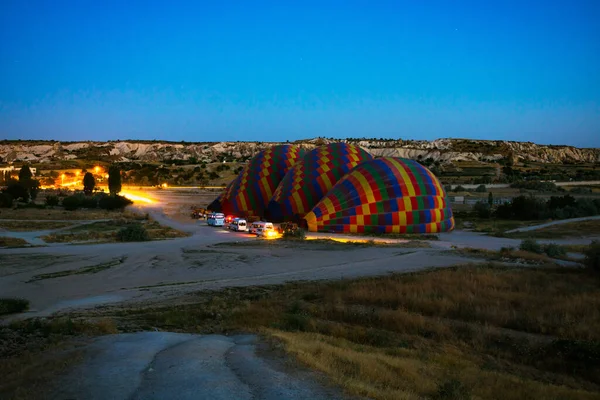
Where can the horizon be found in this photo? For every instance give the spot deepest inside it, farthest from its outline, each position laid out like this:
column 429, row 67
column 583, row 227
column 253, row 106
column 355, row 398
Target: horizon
column 272, row 72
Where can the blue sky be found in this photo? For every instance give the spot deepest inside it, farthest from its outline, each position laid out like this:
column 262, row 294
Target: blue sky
column 277, row 70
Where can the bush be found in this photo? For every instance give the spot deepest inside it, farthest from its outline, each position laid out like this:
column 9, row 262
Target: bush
column 72, row 202
column 13, row 305
column 592, row 256
column 89, row 202
column 531, row 245
column 452, row 390
column 52, row 201
column 481, row 189
column 133, row 233
column 6, row 200
column 553, row 250
column 294, row 234
column 460, row 189
column 113, row 202
column 483, row 210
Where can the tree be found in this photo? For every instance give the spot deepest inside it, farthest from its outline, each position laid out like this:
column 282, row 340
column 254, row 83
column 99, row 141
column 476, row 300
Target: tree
column 114, row 179
column 89, row 183
column 25, row 173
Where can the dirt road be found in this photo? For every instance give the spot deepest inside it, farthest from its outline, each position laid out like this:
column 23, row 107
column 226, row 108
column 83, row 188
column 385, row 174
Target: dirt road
column 165, row 365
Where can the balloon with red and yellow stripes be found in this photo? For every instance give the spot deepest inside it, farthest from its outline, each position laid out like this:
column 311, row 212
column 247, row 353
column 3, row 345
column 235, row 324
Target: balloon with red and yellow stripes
column 252, row 189
column 384, row 195
column 311, row 178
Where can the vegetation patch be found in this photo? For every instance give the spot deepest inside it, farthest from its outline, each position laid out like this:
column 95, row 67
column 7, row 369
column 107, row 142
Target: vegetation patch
column 13, row 305
column 94, row 269
column 11, row 242
column 482, row 331
column 570, row 229
column 29, row 226
column 115, row 230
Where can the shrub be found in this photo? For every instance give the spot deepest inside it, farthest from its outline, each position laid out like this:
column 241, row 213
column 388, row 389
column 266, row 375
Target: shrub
column 6, row 200
column 460, row 189
column 133, row 233
column 89, row 202
column 72, row 202
column 13, row 305
column 481, row 189
column 531, row 245
column 592, row 256
column 295, row 234
column 553, row 250
column 452, row 390
column 113, row 202
column 52, row 201
column 483, row 210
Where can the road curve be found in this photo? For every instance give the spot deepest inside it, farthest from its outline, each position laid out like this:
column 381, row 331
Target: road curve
column 166, row 365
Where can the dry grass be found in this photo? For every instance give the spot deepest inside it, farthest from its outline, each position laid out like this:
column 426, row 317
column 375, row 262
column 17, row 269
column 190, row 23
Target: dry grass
column 491, row 225
column 480, row 331
column 572, row 229
column 11, row 242
column 46, row 214
column 106, row 231
column 506, row 255
column 34, row 352
column 28, row 226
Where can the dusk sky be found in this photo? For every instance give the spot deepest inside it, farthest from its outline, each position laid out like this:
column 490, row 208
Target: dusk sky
column 276, row 70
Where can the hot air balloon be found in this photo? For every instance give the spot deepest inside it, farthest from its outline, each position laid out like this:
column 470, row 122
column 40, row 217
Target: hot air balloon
column 311, row 178
column 250, row 192
column 384, row 195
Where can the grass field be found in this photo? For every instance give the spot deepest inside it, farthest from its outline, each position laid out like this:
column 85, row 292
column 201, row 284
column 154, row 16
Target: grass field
column 20, row 226
column 491, row 225
column 12, row 242
column 572, row 229
column 45, row 214
column 466, row 332
column 106, row 231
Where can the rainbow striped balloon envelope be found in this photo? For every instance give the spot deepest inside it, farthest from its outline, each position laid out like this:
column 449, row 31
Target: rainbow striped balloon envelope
column 311, row 178
column 252, row 189
column 385, row 195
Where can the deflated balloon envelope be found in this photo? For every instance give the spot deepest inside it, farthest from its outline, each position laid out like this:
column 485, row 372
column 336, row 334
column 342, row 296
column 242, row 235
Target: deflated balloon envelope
column 251, row 190
column 311, row 178
column 384, row 195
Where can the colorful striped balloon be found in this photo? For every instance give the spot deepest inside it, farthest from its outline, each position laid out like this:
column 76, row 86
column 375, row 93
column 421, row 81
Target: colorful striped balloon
column 250, row 192
column 385, row 195
column 311, row 178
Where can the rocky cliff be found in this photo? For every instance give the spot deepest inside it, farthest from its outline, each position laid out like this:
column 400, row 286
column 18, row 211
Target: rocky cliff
column 443, row 150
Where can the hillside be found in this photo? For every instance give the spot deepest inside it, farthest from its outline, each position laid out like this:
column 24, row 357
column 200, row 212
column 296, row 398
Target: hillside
column 441, row 150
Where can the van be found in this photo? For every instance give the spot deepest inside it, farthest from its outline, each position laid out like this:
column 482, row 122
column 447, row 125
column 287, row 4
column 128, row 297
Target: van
column 255, row 225
column 215, row 219
column 238, row 225
column 265, row 229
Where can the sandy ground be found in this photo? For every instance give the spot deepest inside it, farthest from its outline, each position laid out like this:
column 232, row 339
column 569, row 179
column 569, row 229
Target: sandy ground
column 122, row 272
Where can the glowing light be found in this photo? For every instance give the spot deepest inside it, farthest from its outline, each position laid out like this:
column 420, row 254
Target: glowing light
column 134, row 197
column 272, row 235
column 96, row 169
column 164, row 185
column 77, row 173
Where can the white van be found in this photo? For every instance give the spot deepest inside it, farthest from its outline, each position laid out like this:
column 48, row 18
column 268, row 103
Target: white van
column 215, row 219
column 256, row 225
column 238, row 225
column 265, row 229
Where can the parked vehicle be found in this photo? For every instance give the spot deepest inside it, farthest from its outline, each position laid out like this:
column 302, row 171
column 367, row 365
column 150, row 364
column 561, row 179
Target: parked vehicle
column 252, row 227
column 215, row 219
column 238, row 225
column 265, row 229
